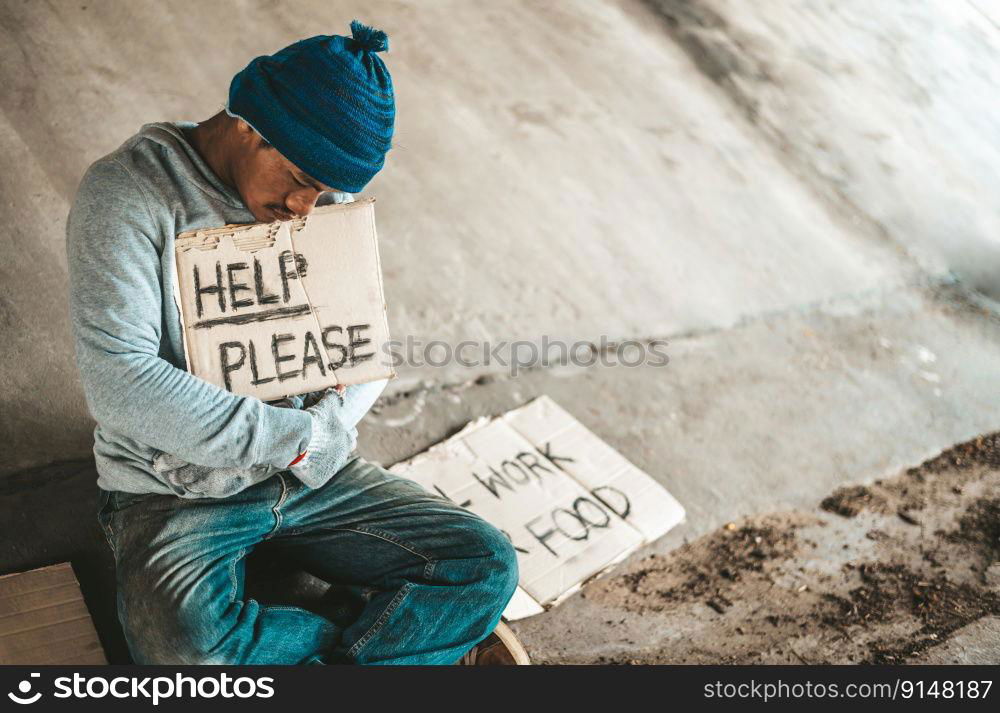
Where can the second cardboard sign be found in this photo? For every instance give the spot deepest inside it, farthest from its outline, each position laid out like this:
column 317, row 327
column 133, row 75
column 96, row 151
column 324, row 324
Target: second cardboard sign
column 571, row 505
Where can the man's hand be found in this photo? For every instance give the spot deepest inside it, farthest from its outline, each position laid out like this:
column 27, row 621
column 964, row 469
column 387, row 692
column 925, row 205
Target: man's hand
column 335, row 414
column 331, row 444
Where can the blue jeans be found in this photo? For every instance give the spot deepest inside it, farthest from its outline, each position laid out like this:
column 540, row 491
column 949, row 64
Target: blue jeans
column 429, row 579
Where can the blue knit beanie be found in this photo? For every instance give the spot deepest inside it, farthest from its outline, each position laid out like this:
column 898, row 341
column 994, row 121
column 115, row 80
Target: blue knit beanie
column 326, row 103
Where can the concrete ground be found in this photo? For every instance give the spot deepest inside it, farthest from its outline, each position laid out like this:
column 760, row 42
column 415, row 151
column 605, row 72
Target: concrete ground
column 902, row 571
column 799, row 197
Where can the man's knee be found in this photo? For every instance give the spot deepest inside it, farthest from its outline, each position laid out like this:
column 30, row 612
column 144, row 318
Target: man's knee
column 176, row 633
column 498, row 569
column 178, row 645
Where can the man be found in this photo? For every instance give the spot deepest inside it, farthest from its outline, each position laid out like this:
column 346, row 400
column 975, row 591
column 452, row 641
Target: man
column 192, row 477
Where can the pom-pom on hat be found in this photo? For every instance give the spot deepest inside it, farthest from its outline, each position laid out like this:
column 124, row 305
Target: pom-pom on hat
column 326, row 103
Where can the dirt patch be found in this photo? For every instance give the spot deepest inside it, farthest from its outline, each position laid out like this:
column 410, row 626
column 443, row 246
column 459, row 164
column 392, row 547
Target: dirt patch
column 980, row 527
column 917, row 487
column 708, row 570
column 894, row 591
column 980, row 452
column 850, row 501
column 877, row 574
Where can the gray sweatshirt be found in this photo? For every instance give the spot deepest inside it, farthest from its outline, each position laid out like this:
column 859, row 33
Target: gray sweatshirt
column 127, row 328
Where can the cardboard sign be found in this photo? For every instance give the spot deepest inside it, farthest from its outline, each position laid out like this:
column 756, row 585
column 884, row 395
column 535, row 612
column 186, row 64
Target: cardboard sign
column 279, row 309
column 44, row 620
column 571, row 505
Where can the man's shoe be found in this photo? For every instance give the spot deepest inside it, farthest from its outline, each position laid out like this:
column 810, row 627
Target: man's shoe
column 501, row 648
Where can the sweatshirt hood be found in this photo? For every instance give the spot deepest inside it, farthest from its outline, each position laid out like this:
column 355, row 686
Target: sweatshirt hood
column 170, row 135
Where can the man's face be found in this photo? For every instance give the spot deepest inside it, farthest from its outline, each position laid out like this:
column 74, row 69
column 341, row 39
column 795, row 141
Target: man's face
column 272, row 187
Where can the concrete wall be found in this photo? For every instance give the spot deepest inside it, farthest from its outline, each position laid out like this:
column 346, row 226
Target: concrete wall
column 576, row 169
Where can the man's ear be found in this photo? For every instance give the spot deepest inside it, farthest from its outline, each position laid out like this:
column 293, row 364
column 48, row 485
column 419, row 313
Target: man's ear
column 248, row 137
column 244, row 129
